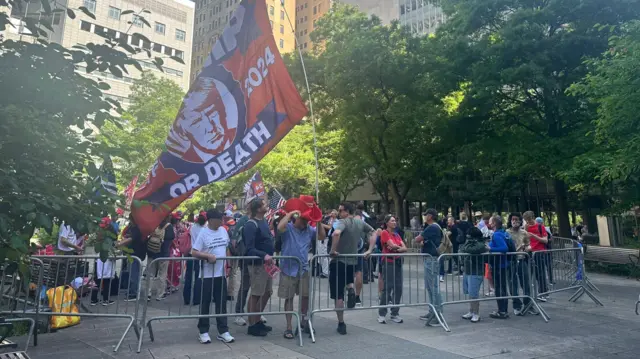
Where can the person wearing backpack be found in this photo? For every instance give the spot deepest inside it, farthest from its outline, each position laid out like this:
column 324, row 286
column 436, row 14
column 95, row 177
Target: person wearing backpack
column 499, row 264
column 432, row 241
column 519, row 268
column 158, row 246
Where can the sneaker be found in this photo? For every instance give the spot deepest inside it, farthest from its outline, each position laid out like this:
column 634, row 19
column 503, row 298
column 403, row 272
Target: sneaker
column 131, row 298
column 425, row 317
column 108, row 302
column 358, row 301
column 467, row 316
column 263, row 319
column 475, row 318
column 542, row 299
column 225, row 337
column 490, row 293
column 396, row 319
column 533, row 311
column 264, row 327
column 518, row 312
column 342, row 328
column 382, row 320
column 351, row 298
column 256, row 331
column 430, row 319
column 499, row 315
column 162, row 297
column 204, row 338
column 94, row 303
column 148, row 298
column 441, row 278
column 240, row 321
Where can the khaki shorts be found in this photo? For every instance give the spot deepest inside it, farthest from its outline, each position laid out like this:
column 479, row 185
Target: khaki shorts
column 290, row 286
column 261, row 282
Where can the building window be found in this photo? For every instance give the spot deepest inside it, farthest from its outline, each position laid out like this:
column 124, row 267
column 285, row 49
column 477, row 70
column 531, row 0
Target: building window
column 305, row 31
column 305, row 45
column 180, row 35
column 315, row 10
column 281, row 15
column 137, row 21
column 314, row 24
column 85, row 26
column 281, row 29
column 157, row 48
column 114, row 13
column 271, row 10
column 180, row 54
column 281, row 43
column 402, row 10
column 305, row 18
column 319, row 7
column 57, row 18
column 160, row 28
column 305, row 5
column 90, row 5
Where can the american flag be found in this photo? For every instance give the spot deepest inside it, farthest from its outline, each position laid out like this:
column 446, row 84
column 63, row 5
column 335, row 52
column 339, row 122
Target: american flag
column 276, row 201
column 228, row 207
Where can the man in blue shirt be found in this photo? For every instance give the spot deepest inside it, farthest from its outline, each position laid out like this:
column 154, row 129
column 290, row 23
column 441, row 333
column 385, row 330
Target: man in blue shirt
column 430, row 239
column 297, row 238
column 499, row 264
column 259, row 243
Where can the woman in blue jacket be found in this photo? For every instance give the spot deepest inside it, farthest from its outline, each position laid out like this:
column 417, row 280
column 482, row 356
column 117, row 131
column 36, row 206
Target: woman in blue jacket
column 499, row 264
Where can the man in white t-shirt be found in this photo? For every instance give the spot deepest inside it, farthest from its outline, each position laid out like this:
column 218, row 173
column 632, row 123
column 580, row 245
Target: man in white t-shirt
column 67, row 240
column 212, row 243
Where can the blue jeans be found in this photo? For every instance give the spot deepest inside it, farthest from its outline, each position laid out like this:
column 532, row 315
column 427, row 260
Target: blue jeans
column 431, row 282
column 134, row 279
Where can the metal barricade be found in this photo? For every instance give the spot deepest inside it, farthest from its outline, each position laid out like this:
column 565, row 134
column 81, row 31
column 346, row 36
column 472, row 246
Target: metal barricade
column 398, row 272
column 195, row 291
column 560, row 270
column 8, row 322
column 489, row 277
column 97, row 293
column 638, row 306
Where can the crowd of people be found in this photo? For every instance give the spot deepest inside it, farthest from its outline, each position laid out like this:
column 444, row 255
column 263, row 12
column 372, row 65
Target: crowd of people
column 348, row 236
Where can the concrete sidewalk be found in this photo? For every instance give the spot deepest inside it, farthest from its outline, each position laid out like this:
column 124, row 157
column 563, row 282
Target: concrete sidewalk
column 576, row 330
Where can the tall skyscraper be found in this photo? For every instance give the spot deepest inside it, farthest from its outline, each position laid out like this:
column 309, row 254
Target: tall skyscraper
column 170, row 34
column 212, row 16
column 306, row 16
column 422, row 17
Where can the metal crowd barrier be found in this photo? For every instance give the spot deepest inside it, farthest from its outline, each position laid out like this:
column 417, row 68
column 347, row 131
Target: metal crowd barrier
column 103, row 299
column 8, row 323
column 192, row 290
column 489, row 277
column 406, row 271
column 560, row 270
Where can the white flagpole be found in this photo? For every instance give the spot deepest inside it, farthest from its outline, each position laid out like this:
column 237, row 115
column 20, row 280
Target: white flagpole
column 312, row 117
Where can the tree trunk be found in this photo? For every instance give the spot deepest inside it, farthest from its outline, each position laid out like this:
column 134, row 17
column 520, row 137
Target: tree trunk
column 562, row 209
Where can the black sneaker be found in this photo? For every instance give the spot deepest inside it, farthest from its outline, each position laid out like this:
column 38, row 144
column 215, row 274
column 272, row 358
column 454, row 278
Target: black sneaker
column 108, row 302
column 264, row 327
column 93, row 304
column 351, row 298
column 256, row 330
column 499, row 315
column 342, row 328
column 358, row 301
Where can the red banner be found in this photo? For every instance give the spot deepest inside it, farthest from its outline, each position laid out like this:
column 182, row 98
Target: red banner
column 238, row 108
column 129, row 191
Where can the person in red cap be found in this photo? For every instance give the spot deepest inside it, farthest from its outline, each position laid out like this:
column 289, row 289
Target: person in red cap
column 297, row 238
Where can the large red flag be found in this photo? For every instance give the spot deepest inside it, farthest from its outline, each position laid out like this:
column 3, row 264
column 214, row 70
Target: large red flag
column 238, row 108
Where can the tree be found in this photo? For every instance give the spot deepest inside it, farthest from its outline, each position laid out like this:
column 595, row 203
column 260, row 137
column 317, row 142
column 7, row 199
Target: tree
column 367, row 74
column 154, row 106
column 612, row 85
column 519, row 58
column 49, row 116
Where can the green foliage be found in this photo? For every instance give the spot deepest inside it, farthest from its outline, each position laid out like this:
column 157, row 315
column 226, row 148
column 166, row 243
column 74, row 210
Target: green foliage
column 140, row 140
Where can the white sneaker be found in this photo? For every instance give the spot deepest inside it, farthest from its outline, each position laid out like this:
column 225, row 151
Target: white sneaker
column 263, row 319
column 204, row 338
column 475, row 318
column 396, row 319
column 240, row 321
column 226, row 337
column 382, row 320
column 542, row 299
column 517, row 312
column 441, row 278
column 467, row 316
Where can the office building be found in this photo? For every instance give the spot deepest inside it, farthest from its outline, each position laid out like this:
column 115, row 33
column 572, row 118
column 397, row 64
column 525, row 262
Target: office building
column 307, row 14
column 211, row 16
column 421, row 17
column 170, row 34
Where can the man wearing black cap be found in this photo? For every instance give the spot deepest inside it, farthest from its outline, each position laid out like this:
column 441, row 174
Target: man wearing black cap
column 430, row 239
column 212, row 243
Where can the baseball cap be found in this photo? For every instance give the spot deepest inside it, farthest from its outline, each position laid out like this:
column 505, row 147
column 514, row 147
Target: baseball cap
column 432, row 212
column 539, row 220
column 214, row 214
column 228, row 213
